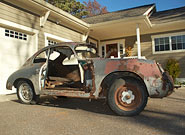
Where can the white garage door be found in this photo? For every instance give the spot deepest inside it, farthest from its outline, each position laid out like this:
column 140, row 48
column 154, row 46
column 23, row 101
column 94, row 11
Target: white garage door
column 15, row 48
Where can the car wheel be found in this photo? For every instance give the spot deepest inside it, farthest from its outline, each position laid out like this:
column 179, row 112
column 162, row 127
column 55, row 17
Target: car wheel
column 25, row 93
column 127, row 96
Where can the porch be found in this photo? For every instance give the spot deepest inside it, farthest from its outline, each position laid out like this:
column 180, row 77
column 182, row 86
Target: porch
column 109, row 34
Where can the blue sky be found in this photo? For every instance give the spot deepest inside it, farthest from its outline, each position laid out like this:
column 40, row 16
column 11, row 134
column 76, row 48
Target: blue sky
column 114, row 5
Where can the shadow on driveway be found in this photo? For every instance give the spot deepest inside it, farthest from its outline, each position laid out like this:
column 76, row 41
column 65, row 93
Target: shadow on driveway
column 170, row 123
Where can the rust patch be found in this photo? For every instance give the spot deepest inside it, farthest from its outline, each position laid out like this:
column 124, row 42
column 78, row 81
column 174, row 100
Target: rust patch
column 123, row 65
column 93, row 79
column 136, row 68
column 119, row 95
column 111, row 66
column 157, row 94
column 133, row 65
column 156, row 76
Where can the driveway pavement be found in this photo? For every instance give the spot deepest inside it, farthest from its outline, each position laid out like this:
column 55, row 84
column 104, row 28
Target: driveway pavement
column 80, row 117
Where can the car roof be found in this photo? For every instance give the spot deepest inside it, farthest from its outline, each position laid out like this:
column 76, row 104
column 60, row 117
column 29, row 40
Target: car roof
column 69, row 44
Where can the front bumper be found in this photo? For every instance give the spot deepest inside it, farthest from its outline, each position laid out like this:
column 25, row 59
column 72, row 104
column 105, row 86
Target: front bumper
column 168, row 83
column 9, row 86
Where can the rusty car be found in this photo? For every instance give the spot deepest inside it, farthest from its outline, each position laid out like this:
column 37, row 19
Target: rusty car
column 75, row 70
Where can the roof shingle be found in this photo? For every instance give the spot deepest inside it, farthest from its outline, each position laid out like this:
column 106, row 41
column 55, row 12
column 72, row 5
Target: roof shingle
column 126, row 13
column 168, row 15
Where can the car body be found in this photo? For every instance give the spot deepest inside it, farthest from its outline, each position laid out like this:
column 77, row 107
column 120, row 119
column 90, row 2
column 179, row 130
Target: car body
column 75, row 70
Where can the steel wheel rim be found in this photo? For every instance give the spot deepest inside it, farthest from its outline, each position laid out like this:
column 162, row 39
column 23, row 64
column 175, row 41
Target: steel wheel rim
column 25, row 92
column 132, row 101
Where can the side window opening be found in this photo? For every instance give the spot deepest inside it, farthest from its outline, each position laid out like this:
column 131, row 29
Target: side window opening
column 41, row 57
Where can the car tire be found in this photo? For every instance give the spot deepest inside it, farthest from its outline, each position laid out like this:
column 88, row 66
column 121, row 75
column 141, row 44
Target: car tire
column 127, row 96
column 26, row 93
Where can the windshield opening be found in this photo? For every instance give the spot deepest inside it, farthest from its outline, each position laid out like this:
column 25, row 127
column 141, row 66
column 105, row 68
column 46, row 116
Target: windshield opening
column 86, row 51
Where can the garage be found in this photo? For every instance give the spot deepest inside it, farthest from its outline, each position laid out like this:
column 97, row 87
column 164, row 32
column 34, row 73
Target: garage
column 16, row 47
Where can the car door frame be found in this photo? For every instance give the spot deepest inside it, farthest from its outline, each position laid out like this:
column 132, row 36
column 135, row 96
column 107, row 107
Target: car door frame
column 69, row 93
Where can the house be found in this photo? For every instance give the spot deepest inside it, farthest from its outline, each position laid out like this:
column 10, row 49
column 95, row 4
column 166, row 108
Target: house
column 27, row 26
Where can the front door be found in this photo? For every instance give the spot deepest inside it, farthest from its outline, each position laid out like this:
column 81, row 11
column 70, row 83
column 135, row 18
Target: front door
column 111, row 50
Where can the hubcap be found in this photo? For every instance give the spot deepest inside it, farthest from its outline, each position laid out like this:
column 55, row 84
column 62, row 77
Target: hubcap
column 26, row 92
column 127, row 96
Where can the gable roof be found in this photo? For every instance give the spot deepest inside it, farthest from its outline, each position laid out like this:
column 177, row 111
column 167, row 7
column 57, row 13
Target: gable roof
column 168, row 15
column 126, row 13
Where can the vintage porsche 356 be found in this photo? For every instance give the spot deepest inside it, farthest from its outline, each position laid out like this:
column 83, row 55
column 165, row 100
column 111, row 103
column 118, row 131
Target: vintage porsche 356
column 75, row 70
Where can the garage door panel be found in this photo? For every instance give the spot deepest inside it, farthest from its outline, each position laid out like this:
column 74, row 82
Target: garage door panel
column 13, row 53
column 16, row 47
column 12, row 61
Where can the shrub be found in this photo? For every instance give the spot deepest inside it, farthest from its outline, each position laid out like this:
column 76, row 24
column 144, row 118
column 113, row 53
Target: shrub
column 173, row 68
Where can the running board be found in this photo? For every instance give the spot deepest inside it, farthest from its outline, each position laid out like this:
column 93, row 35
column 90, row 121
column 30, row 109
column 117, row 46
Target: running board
column 67, row 93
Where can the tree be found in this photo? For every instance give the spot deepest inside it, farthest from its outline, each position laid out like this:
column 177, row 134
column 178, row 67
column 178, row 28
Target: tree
column 94, row 8
column 71, row 6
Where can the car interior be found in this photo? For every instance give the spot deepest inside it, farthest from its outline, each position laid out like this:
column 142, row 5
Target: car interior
column 65, row 71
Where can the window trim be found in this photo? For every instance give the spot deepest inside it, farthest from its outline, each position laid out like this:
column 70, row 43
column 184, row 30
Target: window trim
column 47, row 35
column 166, row 35
column 11, row 25
column 93, row 41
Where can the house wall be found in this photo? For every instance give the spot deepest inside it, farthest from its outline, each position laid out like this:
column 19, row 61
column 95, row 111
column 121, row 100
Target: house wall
column 23, row 17
column 146, row 50
column 19, row 22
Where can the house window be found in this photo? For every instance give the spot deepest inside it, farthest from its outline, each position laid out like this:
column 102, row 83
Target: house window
column 169, row 43
column 51, row 42
column 103, row 51
column 178, row 42
column 162, row 44
column 121, row 49
column 15, row 34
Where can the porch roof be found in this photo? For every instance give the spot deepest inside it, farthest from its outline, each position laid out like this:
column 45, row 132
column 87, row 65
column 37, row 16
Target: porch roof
column 120, row 23
column 123, row 23
column 126, row 13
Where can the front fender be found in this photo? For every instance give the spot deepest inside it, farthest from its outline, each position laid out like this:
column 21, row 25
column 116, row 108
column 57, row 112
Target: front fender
column 29, row 73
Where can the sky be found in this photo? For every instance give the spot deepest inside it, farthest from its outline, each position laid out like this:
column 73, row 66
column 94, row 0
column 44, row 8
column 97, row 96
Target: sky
column 114, row 5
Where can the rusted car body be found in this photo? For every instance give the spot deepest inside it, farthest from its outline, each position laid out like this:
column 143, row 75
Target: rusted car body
column 76, row 71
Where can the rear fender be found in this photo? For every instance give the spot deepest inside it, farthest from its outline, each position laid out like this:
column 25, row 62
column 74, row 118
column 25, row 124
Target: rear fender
column 147, row 70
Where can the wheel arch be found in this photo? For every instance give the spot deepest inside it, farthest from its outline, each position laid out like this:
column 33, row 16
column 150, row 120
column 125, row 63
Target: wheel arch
column 110, row 78
column 15, row 84
column 20, row 81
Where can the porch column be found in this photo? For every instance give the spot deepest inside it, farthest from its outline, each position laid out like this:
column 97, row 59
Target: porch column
column 138, row 42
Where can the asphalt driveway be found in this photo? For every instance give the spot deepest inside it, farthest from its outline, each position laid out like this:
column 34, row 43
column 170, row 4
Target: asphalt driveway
column 80, row 117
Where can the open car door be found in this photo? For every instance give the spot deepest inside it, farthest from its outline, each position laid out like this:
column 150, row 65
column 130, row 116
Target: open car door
column 44, row 71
